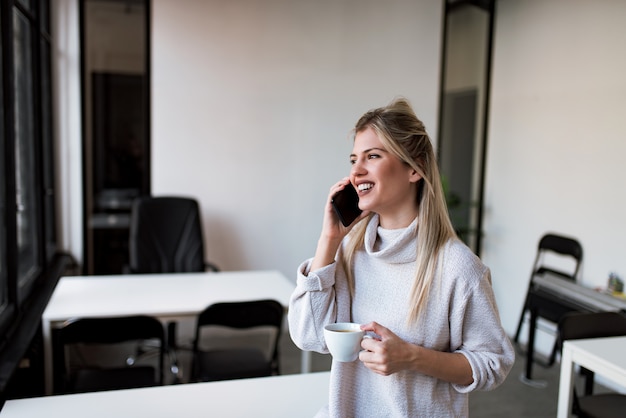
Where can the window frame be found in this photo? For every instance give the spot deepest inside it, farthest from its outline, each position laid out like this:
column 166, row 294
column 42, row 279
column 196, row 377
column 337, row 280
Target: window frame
column 17, row 293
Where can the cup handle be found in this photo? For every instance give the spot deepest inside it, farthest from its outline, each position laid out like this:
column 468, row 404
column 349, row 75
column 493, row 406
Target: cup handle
column 366, row 336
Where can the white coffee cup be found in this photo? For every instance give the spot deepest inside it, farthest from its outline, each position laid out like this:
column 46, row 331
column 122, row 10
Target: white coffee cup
column 343, row 340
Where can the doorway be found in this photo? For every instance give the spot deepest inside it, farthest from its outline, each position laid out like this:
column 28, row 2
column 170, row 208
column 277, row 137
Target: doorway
column 116, row 130
column 466, row 61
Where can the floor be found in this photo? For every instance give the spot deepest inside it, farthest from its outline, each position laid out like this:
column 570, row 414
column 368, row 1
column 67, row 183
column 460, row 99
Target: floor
column 515, row 399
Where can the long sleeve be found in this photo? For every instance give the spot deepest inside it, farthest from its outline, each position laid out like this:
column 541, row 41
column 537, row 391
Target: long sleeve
column 321, row 297
column 477, row 333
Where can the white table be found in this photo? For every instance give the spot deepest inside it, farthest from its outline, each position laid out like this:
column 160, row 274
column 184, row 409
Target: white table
column 288, row 396
column 604, row 356
column 169, row 297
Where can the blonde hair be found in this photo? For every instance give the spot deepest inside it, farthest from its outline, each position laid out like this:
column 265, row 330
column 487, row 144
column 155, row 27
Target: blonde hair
column 404, row 135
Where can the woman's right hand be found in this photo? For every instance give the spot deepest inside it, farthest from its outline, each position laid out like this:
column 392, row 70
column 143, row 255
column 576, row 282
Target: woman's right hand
column 332, row 227
column 333, row 230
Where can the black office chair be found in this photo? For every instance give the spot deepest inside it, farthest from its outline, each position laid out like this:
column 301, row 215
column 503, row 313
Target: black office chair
column 575, row 326
column 166, row 237
column 254, row 359
column 89, row 354
column 555, row 245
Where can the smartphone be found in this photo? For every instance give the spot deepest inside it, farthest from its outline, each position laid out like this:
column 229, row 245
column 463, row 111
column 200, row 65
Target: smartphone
column 346, row 204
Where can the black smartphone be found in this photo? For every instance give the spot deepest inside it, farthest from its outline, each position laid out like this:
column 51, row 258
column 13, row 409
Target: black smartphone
column 346, row 204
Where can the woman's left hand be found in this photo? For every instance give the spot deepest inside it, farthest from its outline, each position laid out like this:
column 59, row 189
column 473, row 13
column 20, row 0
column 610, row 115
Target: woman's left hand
column 389, row 354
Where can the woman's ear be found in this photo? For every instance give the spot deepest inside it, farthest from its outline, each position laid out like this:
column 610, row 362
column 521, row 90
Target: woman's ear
column 414, row 176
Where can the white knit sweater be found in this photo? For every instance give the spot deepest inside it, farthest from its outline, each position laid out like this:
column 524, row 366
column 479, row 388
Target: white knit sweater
column 461, row 316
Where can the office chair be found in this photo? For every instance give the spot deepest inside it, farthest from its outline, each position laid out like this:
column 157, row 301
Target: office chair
column 575, row 325
column 559, row 245
column 166, row 237
column 89, row 354
column 254, row 359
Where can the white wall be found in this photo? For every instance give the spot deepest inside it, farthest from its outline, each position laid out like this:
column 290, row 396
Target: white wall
column 252, row 104
column 556, row 140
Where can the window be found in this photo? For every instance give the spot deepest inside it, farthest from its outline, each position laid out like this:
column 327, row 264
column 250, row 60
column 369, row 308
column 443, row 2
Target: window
column 27, row 231
column 28, row 260
column 3, row 233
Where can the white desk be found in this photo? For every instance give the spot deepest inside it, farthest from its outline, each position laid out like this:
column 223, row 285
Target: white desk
column 604, row 356
column 168, row 297
column 288, row 396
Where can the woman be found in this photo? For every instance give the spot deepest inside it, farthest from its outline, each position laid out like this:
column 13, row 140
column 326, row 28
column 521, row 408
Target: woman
column 400, row 270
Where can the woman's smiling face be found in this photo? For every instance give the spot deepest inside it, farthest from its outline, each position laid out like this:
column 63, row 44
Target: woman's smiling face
column 385, row 184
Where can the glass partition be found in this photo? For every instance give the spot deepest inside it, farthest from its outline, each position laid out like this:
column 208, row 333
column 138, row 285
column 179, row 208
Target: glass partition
column 464, row 113
column 116, row 126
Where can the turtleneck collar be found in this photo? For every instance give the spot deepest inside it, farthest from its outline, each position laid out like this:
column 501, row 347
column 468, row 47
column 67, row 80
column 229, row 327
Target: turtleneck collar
column 394, row 246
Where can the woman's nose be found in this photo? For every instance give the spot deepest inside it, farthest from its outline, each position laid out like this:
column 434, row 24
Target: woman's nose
column 357, row 168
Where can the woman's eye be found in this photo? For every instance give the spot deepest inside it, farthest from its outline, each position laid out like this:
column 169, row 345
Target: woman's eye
column 372, row 156
column 352, row 162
